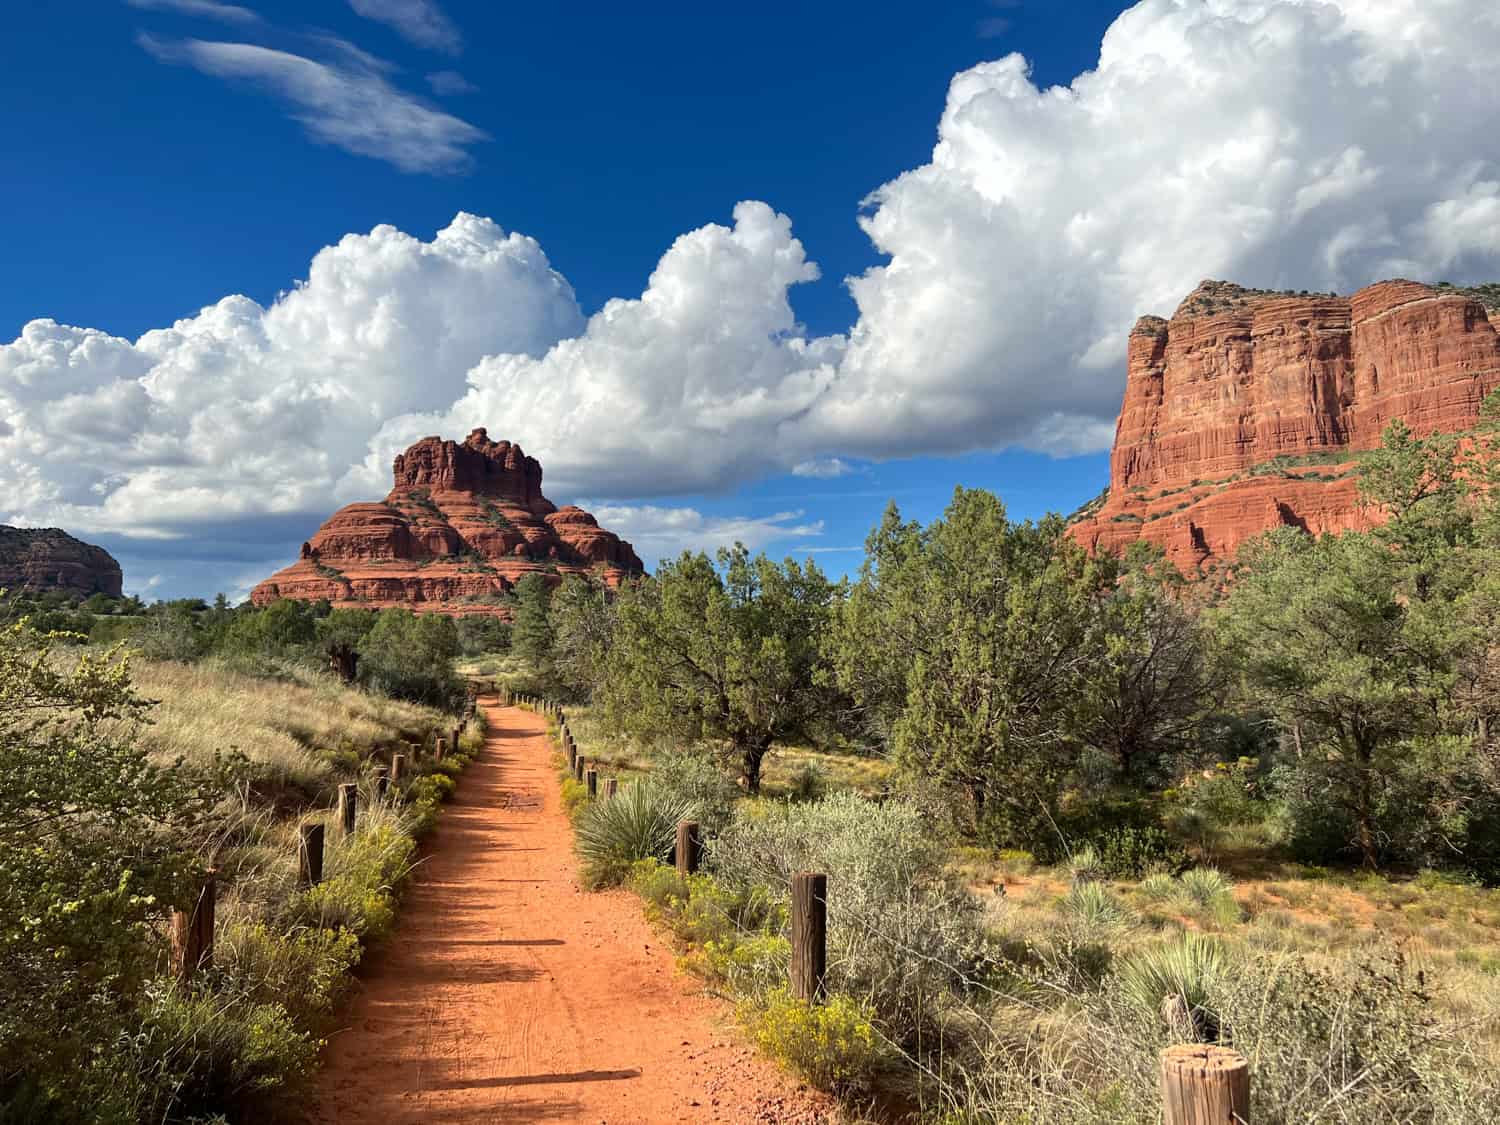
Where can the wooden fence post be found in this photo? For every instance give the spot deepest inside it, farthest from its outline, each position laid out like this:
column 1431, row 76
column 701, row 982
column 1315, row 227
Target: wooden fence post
column 442, row 747
column 1204, row 1084
column 689, row 847
column 458, row 732
column 578, row 767
column 193, row 933
column 572, row 757
column 809, row 935
column 382, row 781
column 592, row 777
column 348, row 806
column 398, row 766
column 310, row 855
column 611, row 787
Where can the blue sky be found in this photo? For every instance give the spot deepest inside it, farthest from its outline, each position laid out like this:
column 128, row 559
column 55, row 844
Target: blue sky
column 164, row 155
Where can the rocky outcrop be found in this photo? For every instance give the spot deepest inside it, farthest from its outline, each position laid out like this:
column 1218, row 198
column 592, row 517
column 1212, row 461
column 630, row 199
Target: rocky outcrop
column 461, row 525
column 41, row 559
column 1248, row 409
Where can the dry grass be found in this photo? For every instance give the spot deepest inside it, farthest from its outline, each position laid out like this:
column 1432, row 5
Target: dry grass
column 292, row 730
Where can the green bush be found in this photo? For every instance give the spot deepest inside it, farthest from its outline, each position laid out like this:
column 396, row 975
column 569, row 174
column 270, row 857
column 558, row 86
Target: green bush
column 207, row 1051
column 834, row 1045
column 639, row 823
column 697, row 779
column 1132, row 852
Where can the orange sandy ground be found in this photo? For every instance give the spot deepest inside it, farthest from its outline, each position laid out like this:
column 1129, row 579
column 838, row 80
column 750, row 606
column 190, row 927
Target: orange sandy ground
column 507, row 994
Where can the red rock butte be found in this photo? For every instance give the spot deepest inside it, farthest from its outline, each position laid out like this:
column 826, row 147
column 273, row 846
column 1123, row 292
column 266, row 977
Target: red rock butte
column 462, row 524
column 1248, row 410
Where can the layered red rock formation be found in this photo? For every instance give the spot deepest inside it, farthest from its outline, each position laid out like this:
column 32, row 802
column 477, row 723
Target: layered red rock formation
column 1247, row 409
column 48, row 558
column 462, row 524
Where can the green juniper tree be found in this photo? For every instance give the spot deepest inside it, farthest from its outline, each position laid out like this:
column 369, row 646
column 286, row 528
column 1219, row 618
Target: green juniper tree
column 726, row 653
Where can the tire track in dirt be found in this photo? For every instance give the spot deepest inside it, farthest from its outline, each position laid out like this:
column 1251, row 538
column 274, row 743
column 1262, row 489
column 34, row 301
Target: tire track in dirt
column 506, row 994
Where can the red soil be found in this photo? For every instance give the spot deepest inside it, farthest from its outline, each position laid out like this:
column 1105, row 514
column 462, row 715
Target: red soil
column 507, row 994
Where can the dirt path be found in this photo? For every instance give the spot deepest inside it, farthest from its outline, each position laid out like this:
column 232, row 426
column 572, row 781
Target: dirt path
column 508, row 995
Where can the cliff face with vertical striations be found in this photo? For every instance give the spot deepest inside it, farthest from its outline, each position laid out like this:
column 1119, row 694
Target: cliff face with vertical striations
column 1247, row 410
column 461, row 525
column 47, row 558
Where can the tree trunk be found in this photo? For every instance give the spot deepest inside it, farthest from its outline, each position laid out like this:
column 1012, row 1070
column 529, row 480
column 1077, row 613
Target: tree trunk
column 345, row 662
column 752, row 753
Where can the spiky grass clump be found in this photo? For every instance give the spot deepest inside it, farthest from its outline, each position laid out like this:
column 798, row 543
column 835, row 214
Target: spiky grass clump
column 1176, row 983
column 1092, row 906
column 640, row 822
column 1086, row 865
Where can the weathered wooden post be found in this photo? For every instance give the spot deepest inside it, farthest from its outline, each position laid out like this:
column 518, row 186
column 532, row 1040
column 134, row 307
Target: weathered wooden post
column 398, row 766
column 689, row 847
column 309, row 855
column 193, row 932
column 458, row 733
column 382, row 781
column 579, row 764
column 442, row 748
column 1204, row 1084
column 611, row 788
column 809, row 935
column 572, row 757
column 592, row 777
column 348, row 806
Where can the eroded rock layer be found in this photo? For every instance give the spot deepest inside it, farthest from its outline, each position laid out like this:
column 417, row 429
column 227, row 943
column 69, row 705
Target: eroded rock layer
column 461, row 525
column 1248, row 409
column 48, row 558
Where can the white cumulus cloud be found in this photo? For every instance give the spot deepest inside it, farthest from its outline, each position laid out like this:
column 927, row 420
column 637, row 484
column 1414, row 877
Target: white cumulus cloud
column 1308, row 144
column 244, row 411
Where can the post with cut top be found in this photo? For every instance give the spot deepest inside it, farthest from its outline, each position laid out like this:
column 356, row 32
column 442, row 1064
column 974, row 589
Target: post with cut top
column 348, row 806
column 611, row 787
column 592, row 777
column 458, row 733
column 579, row 765
column 442, row 748
column 193, row 932
column 689, row 847
column 309, row 855
column 1204, row 1084
column 809, row 936
column 398, row 766
column 382, row 781
column 572, row 757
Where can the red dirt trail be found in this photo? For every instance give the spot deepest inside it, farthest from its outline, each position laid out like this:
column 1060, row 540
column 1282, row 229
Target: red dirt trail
column 506, row 994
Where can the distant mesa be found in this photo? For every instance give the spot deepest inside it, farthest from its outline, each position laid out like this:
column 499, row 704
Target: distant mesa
column 461, row 525
column 47, row 559
column 1248, row 409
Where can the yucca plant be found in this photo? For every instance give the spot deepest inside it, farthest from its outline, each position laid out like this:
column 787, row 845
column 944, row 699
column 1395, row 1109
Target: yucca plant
column 1202, row 885
column 1093, row 906
column 1176, row 983
column 1160, row 887
column 638, row 823
column 1086, row 865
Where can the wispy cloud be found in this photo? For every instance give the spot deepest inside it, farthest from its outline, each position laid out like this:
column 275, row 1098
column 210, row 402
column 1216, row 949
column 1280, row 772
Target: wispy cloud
column 210, row 9
column 822, row 468
column 661, row 532
column 420, row 21
column 348, row 103
column 449, row 82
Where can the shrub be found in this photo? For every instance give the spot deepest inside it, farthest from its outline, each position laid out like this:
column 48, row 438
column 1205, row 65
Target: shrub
column 306, row 970
column 639, row 823
column 1086, row 865
column 1132, row 852
column 833, row 1045
column 1175, row 983
column 888, row 894
column 208, row 1051
column 697, row 779
column 361, row 878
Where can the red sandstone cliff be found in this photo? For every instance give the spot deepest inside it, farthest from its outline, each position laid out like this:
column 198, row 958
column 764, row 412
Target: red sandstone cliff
column 1247, row 409
column 48, row 558
column 461, row 525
